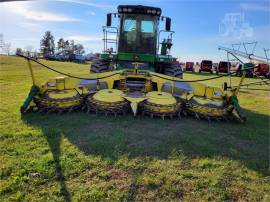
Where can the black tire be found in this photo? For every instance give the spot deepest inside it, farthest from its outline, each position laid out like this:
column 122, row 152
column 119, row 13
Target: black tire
column 99, row 66
column 173, row 70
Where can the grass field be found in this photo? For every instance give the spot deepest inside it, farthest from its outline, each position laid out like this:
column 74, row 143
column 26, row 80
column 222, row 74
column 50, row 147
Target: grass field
column 82, row 157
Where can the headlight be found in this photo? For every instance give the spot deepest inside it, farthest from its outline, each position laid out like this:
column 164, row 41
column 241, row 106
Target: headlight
column 130, row 10
column 119, row 10
column 148, row 11
column 125, row 9
column 158, row 12
column 154, row 11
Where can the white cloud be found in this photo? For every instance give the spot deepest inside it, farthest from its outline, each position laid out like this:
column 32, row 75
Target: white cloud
column 84, row 38
column 89, row 38
column 23, row 9
column 26, row 39
column 91, row 13
column 87, row 3
column 31, row 26
column 255, row 7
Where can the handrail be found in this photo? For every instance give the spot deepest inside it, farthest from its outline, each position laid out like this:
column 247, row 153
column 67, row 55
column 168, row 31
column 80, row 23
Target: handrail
column 158, row 42
column 106, row 30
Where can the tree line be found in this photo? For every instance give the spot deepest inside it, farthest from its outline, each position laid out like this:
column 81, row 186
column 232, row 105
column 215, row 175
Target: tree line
column 65, row 47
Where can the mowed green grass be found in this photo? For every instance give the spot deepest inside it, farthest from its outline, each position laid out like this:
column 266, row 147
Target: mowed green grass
column 85, row 157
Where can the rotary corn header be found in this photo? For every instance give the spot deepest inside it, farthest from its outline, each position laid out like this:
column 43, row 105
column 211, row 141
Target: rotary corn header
column 137, row 76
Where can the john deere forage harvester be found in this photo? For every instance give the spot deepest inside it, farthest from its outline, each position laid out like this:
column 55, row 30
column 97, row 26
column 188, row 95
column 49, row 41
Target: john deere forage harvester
column 137, row 75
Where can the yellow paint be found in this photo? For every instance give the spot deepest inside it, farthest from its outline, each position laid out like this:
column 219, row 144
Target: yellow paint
column 204, row 101
column 60, row 83
column 31, row 72
column 156, row 101
column 160, row 98
column 240, row 83
column 109, row 96
column 134, row 101
column 198, row 88
column 134, row 107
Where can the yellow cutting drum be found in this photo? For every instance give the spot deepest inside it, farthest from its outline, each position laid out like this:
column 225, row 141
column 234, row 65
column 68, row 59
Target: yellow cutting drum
column 108, row 101
column 161, row 104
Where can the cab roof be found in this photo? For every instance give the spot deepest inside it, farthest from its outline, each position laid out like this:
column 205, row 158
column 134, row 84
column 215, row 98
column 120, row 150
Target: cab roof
column 139, row 9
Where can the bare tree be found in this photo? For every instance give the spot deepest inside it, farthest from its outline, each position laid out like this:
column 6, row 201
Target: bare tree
column 7, row 48
column 79, row 49
column 2, row 42
column 29, row 48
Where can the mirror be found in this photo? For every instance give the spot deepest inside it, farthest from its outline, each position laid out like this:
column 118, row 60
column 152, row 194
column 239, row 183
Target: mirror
column 168, row 24
column 109, row 20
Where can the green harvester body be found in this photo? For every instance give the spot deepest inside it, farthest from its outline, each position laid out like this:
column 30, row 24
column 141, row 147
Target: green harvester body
column 137, row 37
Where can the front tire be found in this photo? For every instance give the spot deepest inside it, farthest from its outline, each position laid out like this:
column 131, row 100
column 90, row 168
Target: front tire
column 173, row 70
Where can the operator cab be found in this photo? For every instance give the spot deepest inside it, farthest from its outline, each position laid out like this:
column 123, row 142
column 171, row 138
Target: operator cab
column 136, row 39
column 138, row 29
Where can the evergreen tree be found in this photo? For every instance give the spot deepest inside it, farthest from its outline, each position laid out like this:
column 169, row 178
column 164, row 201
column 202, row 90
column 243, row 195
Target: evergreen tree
column 71, row 47
column 61, row 45
column 47, row 43
column 67, row 46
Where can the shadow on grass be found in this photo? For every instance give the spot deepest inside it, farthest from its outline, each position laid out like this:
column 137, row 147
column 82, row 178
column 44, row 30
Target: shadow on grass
column 112, row 137
column 54, row 141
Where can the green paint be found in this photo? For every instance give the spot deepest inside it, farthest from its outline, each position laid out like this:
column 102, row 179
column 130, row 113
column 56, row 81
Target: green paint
column 34, row 91
column 133, row 56
column 234, row 101
column 141, row 57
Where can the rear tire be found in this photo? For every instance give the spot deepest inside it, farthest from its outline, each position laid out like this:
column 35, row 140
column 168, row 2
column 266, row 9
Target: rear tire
column 99, row 66
column 173, row 70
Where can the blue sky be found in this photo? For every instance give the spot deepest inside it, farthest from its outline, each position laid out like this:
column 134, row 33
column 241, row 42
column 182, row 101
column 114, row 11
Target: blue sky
column 200, row 25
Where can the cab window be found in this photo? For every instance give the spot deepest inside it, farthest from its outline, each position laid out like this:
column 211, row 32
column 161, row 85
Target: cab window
column 129, row 25
column 147, row 26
